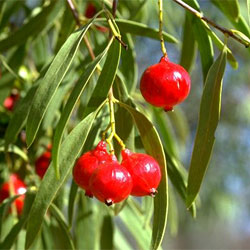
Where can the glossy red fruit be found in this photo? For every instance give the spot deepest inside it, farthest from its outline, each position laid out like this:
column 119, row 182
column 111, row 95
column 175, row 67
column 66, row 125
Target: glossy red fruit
column 90, row 10
column 145, row 172
column 42, row 163
column 19, row 188
column 87, row 164
column 111, row 183
column 165, row 84
column 10, row 101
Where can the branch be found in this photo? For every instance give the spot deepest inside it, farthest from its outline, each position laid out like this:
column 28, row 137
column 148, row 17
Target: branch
column 225, row 31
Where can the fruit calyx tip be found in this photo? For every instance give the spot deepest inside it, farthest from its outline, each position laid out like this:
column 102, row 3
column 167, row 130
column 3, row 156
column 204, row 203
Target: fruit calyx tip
column 153, row 192
column 109, row 202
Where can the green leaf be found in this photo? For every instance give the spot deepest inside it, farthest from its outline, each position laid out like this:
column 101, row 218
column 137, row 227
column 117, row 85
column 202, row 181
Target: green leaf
column 12, row 235
column 50, row 185
column 121, row 243
column 19, row 117
column 107, row 233
column 139, row 29
column 189, row 46
column 204, row 42
column 106, row 78
column 72, row 198
column 65, row 229
column 134, row 221
column 51, row 81
column 173, row 213
column 152, row 144
column 128, row 64
column 208, row 121
column 71, row 103
column 33, row 27
column 230, row 8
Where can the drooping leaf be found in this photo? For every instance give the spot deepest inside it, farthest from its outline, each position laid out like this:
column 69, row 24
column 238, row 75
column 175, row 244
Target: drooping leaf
column 33, row 27
column 107, row 233
column 204, row 42
column 135, row 223
column 189, row 46
column 106, row 78
column 152, row 144
column 72, row 197
column 14, row 149
column 51, row 81
column 173, row 218
column 139, row 29
column 62, row 222
column 71, row 103
column 208, row 121
column 50, row 185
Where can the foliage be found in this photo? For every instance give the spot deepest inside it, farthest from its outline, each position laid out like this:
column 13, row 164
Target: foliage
column 63, row 72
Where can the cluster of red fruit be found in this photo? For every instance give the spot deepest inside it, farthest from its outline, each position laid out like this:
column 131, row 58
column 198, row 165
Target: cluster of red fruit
column 102, row 176
column 10, row 101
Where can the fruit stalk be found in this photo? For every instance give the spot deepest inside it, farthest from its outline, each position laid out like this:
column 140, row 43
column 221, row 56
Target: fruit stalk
column 163, row 48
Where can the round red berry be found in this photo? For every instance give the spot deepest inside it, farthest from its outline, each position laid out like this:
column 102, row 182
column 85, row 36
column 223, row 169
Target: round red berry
column 87, row 164
column 90, row 10
column 144, row 170
column 165, row 84
column 42, row 163
column 111, row 183
column 19, row 189
column 10, row 101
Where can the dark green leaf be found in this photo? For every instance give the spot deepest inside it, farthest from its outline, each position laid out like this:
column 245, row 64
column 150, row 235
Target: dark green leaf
column 106, row 78
column 189, row 46
column 50, row 185
column 205, row 45
column 51, row 81
column 107, row 233
column 72, row 197
column 33, row 27
column 65, row 229
column 71, row 103
column 139, row 29
column 153, row 146
column 208, row 121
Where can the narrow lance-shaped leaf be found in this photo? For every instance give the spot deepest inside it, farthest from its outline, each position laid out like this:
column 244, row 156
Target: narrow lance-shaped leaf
column 62, row 222
column 189, row 46
column 71, row 103
column 51, row 81
column 152, row 144
column 139, row 29
column 208, row 120
column 50, row 185
column 34, row 26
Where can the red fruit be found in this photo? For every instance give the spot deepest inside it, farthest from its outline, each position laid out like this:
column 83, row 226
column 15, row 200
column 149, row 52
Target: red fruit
column 10, row 101
column 90, row 10
column 145, row 172
column 87, row 164
column 19, row 188
column 42, row 163
column 111, row 183
column 165, row 84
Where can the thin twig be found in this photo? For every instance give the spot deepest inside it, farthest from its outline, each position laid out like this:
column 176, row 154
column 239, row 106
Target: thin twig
column 207, row 20
column 78, row 22
column 163, row 48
